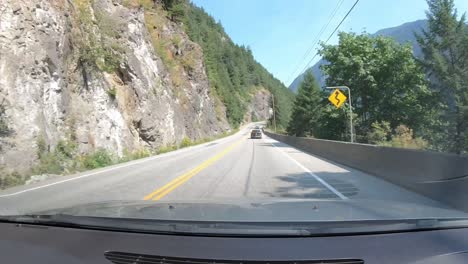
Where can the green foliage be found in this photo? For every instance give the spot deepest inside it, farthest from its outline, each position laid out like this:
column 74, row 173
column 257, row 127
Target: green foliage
column 445, row 50
column 404, row 138
column 136, row 154
column 99, row 158
column 232, row 69
column 112, row 92
column 58, row 161
column 147, row 4
column 65, row 158
column 131, row 3
column 333, row 122
column 186, row 142
column 4, row 130
column 254, row 117
column 307, row 108
column 176, row 9
column 49, row 164
column 379, row 132
column 97, row 38
column 167, row 148
column 41, row 146
column 10, row 179
column 386, row 81
column 67, row 149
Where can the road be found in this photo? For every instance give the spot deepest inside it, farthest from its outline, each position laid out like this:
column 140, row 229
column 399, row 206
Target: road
column 235, row 167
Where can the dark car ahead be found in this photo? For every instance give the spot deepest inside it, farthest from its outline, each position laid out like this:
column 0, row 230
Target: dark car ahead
column 256, row 133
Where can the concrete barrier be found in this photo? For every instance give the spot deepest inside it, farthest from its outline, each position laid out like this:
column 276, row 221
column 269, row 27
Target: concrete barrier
column 442, row 177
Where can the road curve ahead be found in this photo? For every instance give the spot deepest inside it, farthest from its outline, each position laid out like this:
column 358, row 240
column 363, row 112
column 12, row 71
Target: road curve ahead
column 232, row 168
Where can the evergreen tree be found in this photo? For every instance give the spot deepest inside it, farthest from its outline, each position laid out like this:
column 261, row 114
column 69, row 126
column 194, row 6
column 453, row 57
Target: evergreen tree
column 232, row 70
column 307, row 108
column 445, row 50
column 175, row 8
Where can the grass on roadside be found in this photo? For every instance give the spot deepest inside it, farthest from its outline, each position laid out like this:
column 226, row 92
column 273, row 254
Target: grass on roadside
column 65, row 159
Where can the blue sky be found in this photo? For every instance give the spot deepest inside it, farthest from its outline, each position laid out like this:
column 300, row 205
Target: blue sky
column 280, row 32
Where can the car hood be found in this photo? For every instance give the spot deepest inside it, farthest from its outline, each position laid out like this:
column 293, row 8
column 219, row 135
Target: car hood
column 261, row 210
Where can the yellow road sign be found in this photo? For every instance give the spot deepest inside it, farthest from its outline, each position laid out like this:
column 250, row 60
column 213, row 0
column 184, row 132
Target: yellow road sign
column 337, row 98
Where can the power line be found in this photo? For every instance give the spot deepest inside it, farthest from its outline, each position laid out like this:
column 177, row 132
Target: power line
column 351, row 9
column 317, row 37
column 329, row 37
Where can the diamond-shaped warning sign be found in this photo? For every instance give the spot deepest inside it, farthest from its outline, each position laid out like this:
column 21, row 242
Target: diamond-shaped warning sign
column 337, row 98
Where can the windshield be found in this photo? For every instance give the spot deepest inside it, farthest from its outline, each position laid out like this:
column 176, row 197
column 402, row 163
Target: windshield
column 310, row 115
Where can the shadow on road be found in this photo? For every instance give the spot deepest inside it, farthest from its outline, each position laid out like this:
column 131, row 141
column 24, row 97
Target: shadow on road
column 303, row 185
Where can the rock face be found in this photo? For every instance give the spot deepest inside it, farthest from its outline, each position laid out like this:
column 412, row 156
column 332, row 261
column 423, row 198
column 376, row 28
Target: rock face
column 259, row 108
column 56, row 81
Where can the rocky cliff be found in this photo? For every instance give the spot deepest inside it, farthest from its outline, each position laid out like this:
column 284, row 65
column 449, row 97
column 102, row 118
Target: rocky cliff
column 105, row 74
column 259, row 107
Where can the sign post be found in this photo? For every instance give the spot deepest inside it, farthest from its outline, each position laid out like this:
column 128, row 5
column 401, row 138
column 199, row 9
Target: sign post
column 337, row 98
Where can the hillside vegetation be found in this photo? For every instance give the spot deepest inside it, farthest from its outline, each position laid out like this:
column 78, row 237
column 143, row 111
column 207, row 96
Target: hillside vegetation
column 398, row 100
column 232, row 69
column 106, row 81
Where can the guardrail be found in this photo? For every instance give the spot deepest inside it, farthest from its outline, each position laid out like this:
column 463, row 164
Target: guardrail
column 442, row 177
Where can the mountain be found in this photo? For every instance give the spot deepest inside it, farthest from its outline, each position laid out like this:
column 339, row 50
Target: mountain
column 402, row 34
column 79, row 77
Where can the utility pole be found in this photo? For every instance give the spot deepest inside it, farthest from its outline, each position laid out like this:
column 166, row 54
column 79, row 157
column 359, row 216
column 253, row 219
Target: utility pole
column 350, row 109
column 274, row 111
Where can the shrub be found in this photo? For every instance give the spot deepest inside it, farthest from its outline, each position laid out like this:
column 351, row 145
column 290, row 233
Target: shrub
column 165, row 149
column 131, row 3
column 403, row 138
column 147, row 4
column 49, row 163
column 100, row 158
column 188, row 61
column 186, row 142
column 97, row 50
column 379, row 132
column 136, row 154
column 112, row 92
column 58, row 161
column 41, row 146
column 11, row 179
column 66, row 149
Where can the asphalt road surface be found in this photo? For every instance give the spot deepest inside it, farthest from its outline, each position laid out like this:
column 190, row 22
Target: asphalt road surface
column 235, row 167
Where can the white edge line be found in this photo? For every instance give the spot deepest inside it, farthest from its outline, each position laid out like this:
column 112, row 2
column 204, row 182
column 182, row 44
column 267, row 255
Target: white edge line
column 80, row 177
column 324, row 183
column 118, row 167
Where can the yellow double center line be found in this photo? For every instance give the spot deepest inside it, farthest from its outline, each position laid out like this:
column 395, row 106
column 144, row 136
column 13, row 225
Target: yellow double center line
column 163, row 191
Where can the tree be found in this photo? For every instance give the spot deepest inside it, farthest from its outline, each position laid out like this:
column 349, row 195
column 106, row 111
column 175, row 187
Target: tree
column 379, row 133
column 232, row 70
column 176, row 9
column 307, row 108
column 445, row 59
column 333, row 123
column 386, row 81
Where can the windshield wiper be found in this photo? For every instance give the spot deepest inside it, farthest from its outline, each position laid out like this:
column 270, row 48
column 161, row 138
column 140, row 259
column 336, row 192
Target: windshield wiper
column 214, row 228
column 58, row 219
column 155, row 225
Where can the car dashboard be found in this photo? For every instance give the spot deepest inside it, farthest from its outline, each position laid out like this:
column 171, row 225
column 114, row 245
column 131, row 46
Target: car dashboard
column 30, row 243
